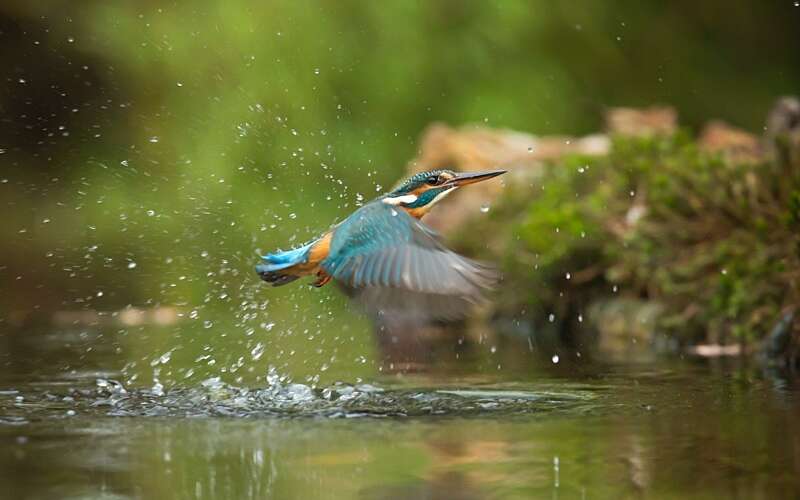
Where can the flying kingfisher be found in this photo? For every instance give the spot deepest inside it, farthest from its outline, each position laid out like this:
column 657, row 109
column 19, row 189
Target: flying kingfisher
column 383, row 254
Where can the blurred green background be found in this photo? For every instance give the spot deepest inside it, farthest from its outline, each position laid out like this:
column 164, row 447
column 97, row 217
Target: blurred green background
column 149, row 150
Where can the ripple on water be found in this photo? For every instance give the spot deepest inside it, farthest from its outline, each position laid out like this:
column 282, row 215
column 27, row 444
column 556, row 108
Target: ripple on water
column 282, row 398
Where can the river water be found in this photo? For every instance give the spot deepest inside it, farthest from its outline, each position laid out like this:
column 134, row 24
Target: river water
column 674, row 428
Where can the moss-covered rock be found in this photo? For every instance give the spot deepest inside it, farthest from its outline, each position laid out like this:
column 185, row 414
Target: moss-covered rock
column 713, row 239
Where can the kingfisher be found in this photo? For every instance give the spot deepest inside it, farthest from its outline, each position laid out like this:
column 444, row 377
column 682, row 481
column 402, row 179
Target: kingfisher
column 386, row 256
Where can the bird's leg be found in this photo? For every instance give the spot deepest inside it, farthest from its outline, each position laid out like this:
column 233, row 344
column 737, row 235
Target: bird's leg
column 322, row 279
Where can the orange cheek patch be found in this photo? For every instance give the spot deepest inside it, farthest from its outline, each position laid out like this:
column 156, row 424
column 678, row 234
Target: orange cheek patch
column 419, row 191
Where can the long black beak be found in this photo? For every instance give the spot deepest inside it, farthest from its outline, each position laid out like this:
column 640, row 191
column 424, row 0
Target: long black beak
column 462, row 179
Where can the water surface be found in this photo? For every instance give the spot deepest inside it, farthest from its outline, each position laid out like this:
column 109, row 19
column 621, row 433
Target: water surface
column 673, row 429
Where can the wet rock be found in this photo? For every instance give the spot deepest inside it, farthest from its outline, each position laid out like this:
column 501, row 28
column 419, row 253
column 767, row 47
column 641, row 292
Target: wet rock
column 473, row 148
column 782, row 137
column 784, row 117
column 644, row 122
column 734, row 143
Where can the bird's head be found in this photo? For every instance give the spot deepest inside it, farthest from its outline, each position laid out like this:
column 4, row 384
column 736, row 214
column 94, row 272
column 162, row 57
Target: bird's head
column 420, row 192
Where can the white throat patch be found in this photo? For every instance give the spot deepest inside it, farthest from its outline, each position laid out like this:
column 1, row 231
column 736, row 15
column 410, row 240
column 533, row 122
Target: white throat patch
column 397, row 200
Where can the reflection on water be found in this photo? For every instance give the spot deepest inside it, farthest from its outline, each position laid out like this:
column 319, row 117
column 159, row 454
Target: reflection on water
column 725, row 442
column 672, row 431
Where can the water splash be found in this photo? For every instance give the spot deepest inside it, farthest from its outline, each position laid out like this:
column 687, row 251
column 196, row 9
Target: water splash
column 284, row 398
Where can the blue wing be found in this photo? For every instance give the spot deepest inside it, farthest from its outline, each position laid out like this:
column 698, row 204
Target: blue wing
column 380, row 250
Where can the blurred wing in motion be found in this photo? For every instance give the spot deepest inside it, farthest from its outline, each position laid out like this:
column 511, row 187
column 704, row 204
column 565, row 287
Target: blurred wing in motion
column 399, row 270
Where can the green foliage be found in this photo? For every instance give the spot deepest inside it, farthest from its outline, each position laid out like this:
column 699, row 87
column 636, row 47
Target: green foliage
column 712, row 240
column 150, row 149
column 224, row 119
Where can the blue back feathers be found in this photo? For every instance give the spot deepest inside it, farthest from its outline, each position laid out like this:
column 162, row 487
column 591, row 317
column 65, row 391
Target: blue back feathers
column 382, row 246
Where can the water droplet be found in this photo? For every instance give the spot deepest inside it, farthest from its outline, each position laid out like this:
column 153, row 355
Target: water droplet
column 580, row 318
column 555, row 359
column 551, row 317
column 131, row 265
column 316, row 71
column 151, row 213
column 153, row 139
column 257, row 351
column 493, row 349
column 569, row 276
column 208, row 323
column 530, row 149
column 157, row 389
column 615, row 288
column 485, row 208
column 724, row 271
column 179, row 84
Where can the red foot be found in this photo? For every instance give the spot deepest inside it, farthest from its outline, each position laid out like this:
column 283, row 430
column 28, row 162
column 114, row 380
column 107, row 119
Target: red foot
column 322, row 279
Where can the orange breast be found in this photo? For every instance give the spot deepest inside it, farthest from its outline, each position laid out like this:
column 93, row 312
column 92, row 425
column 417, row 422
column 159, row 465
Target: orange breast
column 418, row 212
column 321, row 249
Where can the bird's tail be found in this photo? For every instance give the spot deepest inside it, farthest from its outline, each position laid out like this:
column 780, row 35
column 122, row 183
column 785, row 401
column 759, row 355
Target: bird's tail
column 274, row 267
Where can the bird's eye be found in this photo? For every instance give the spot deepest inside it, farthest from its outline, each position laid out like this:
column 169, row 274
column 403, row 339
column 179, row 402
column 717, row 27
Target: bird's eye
column 433, row 180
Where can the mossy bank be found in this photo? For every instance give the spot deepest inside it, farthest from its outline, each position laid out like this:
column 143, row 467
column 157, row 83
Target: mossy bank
column 659, row 240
